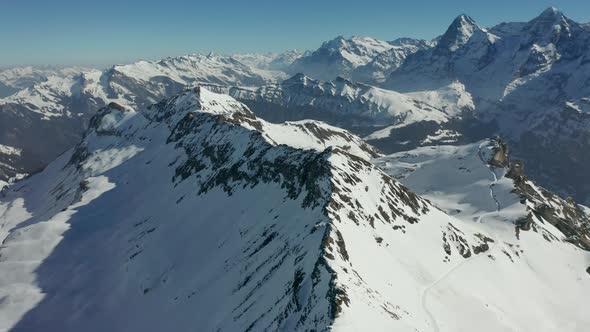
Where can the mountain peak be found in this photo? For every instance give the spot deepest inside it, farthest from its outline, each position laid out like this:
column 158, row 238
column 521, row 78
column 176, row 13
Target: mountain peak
column 551, row 12
column 464, row 19
column 458, row 33
column 299, row 78
column 334, row 43
column 550, row 23
column 550, row 15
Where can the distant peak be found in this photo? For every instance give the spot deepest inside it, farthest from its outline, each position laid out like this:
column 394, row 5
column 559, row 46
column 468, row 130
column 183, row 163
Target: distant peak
column 297, row 78
column 551, row 11
column 458, row 33
column 550, row 14
column 336, row 42
column 550, row 23
column 463, row 20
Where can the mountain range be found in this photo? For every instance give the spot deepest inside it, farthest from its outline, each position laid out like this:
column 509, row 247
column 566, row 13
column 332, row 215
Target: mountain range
column 272, row 225
column 406, row 185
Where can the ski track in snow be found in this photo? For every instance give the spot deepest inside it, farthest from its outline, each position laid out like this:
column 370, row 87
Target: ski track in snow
column 426, row 291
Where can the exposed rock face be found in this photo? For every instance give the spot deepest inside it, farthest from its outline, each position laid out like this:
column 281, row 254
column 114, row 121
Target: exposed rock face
column 557, row 148
column 565, row 214
column 501, row 156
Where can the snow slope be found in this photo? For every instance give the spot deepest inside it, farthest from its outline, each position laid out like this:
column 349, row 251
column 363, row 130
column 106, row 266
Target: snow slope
column 539, row 264
column 194, row 213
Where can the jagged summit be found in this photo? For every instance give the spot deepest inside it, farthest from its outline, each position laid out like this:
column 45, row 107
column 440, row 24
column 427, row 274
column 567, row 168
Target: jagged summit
column 550, row 13
column 550, row 17
column 339, row 56
column 458, row 33
column 550, row 26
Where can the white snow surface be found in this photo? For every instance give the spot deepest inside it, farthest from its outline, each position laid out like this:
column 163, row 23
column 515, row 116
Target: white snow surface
column 519, row 278
column 195, row 214
column 9, row 150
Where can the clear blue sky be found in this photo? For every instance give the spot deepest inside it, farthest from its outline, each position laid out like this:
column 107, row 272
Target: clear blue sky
column 101, row 32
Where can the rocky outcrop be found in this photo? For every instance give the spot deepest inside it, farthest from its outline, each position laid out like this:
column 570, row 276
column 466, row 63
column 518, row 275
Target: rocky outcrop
column 501, row 156
column 543, row 206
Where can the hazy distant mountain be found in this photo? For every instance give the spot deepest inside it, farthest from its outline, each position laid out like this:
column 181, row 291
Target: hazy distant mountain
column 45, row 119
column 385, row 63
column 15, row 79
column 269, row 61
column 339, row 57
column 362, row 108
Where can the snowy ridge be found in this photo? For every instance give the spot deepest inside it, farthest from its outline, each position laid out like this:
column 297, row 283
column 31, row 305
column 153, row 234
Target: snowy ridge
column 340, row 102
column 34, row 118
column 295, row 262
column 514, row 197
column 46, row 98
column 339, row 57
column 386, row 62
column 520, row 76
column 478, row 183
column 387, row 119
column 15, row 79
column 194, row 68
column 269, row 61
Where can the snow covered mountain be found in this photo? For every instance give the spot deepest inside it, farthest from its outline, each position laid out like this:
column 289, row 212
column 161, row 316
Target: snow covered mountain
column 504, row 63
column 387, row 119
column 44, row 120
column 452, row 177
column 269, row 61
column 361, row 108
column 480, row 183
column 385, row 63
column 366, row 60
column 15, row 79
column 519, row 76
column 195, row 213
column 339, row 57
column 509, row 79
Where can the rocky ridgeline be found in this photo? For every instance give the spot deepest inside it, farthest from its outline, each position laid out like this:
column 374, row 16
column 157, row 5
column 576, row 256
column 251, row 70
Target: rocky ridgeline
column 544, row 206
